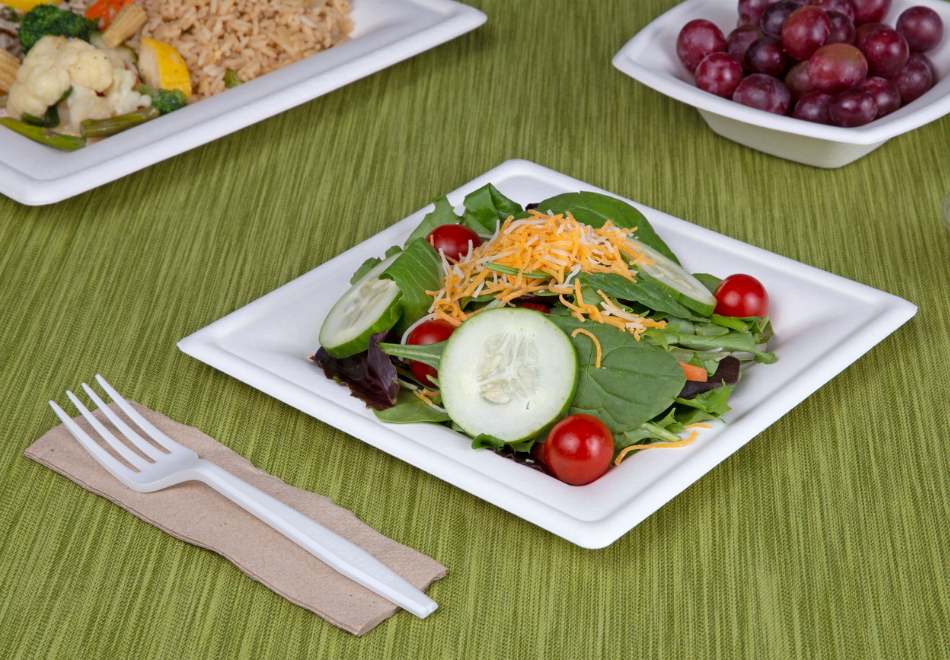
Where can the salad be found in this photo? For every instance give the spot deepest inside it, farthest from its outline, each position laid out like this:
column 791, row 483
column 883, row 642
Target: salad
column 566, row 335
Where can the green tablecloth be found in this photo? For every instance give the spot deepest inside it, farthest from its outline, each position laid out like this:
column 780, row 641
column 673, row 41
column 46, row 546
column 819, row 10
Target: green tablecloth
column 826, row 536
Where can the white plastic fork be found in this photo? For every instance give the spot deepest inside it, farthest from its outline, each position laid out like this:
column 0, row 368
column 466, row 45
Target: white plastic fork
column 182, row 464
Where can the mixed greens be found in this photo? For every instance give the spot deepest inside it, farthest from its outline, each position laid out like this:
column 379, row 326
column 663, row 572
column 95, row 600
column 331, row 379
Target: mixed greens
column 612, row 327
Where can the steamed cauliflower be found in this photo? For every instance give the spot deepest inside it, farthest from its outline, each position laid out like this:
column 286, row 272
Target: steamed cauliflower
column 102, row 87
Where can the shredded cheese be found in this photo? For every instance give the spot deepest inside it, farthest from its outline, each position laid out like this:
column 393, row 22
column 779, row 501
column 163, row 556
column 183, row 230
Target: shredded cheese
column 697, row 426
column 657, row 445
column 424, row 398
column 593, row 339
column 557, row 245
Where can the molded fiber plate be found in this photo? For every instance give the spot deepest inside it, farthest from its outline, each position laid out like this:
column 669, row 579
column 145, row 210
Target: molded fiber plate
column 385, row 32
column 822, row 324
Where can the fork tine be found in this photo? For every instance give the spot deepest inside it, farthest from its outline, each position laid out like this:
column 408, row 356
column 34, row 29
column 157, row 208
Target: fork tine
column 143, row 445
column 133, row 414
column 137, row 461
column 104, row 458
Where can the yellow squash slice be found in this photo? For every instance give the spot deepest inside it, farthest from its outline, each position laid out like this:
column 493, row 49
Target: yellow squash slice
column 162, row 67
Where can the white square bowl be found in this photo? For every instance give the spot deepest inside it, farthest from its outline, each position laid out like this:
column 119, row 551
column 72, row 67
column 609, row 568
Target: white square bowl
column 650, row 57
column 822, row 324
column 385, row 32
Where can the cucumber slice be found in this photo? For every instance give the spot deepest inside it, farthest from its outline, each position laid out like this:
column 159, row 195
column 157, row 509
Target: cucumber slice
column 674, row 279
column 508, row 373
column 370, row 306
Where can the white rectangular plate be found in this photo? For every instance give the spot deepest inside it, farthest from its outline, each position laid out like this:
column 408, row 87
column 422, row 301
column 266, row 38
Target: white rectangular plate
column 385, row 32
column 822, row 324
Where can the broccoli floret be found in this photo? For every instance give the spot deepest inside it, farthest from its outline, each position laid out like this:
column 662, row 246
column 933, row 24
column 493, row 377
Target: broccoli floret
column 45, row 20
column 164, row 100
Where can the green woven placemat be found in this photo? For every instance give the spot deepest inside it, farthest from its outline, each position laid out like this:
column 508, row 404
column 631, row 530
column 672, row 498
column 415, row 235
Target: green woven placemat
column 826, row 536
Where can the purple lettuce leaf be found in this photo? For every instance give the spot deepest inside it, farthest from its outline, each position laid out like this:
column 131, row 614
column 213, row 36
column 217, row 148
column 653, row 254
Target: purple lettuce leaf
column 727, row 373
column 370, row 375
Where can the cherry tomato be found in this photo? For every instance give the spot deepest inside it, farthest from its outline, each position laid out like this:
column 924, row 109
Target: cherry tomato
column 579, row 449
column 538, row 307
column 430, row 332
column 741, row 296
column 453, row 240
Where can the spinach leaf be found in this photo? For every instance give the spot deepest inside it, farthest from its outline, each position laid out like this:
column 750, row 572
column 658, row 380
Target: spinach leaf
column 371, row 263
column 734, row 341
column 636, row 382
column 730, row 322
column 485, row 207
column 642, row 291
column 367, row 266
column 595, row 209
column 429, row 354
column 443, row 214
column 483, row 440
column 713, row 402
column 711, row 282
column 415, row 271
column 410, row 408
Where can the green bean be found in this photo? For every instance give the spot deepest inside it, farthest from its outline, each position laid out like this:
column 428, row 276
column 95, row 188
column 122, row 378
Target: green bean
column 44, row 135
column 97, row 128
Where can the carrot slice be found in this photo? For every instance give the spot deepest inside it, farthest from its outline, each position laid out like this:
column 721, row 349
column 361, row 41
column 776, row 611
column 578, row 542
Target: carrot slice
column 694, row 373
column 105, row 10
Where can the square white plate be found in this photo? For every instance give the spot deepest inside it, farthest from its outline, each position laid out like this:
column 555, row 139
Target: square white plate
column 822, row 324
column 385, row 32
column 650, row 57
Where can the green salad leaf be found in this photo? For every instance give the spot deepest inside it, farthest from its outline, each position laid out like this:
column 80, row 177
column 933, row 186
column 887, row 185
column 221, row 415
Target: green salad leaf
column 711, row 282
column 642, row 291
column 636, row 382
column 485, row 208
column 409, row 408
column 714, row 402
column 595, row 209
column 443, row 214
column 371, row 263
column 415, row 271
column 429, row 354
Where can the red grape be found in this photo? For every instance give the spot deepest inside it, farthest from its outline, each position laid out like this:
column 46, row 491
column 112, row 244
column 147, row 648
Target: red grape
column 863, row 31
column 886, row 52
column 765, row 55
column 814, row 107
column 750, row 11
column 774, row 17
column 842, row 29
column 870, row 11
column 698, row 39
column 887, row 97
column 764, row 92
column 921, row 27
column 797, row 81
column 913, row 80
column 836, row 67
column 806, row 30
column 926, row 60
column 853, row 107
column 739, row 40
column 841, row 6
column 719, row 74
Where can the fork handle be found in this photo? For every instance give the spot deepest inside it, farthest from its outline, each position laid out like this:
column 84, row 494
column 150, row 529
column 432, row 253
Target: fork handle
column 331, row 548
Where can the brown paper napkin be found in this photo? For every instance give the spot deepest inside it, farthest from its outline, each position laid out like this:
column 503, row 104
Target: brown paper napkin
column 196, row 513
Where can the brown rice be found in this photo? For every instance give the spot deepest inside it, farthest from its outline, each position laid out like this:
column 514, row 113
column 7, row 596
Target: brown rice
column 251, row 37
